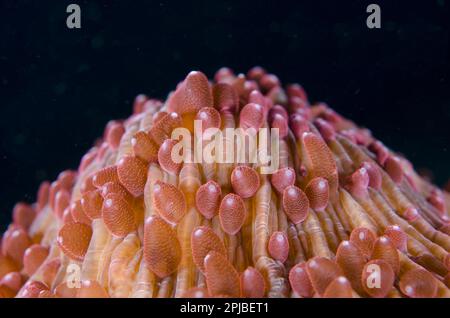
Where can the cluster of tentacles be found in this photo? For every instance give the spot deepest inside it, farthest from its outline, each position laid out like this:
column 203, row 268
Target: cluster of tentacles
column 343, row 216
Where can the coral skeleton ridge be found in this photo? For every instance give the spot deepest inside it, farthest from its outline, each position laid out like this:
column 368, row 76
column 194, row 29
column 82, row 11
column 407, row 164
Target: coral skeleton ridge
column 342, row 215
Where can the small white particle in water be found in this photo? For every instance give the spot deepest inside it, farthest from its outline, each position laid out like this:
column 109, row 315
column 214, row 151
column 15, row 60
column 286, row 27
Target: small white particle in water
column 321, row 185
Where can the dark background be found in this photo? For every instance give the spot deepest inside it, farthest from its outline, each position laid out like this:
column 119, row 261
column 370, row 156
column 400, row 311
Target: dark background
column 59, row 87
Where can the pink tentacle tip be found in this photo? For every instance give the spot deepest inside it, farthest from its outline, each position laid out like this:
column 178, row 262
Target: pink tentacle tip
column 295, row 204
column 300, row 282
column 447, row 261
column 331, row 116
column 152, row 105
column 165, row 157
column 349, row 134
column 209, row 117
column 23, row 215
column 447, row 186
column 256, row 73
column 326, row 129
column 318, row 193
column 279, row 246
column 278, row 109
column 283, row 178
column 436, row 199
column 138, row 105
column 279, row 122
column 296, row 90
column 232, row 213
column 340, row 287
column 245, row 181
column 397, row 236
column 252, row 116
column 418, row 283
column 299, row 106
column 269, row 81
column 252, row 283
column 223, row 74
column 256, row 97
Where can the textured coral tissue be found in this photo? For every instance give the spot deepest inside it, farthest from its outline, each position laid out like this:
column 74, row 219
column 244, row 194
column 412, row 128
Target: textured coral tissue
column 342, row 215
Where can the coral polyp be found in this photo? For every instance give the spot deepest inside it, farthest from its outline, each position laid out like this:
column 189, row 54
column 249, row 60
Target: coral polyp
column 342, row 215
